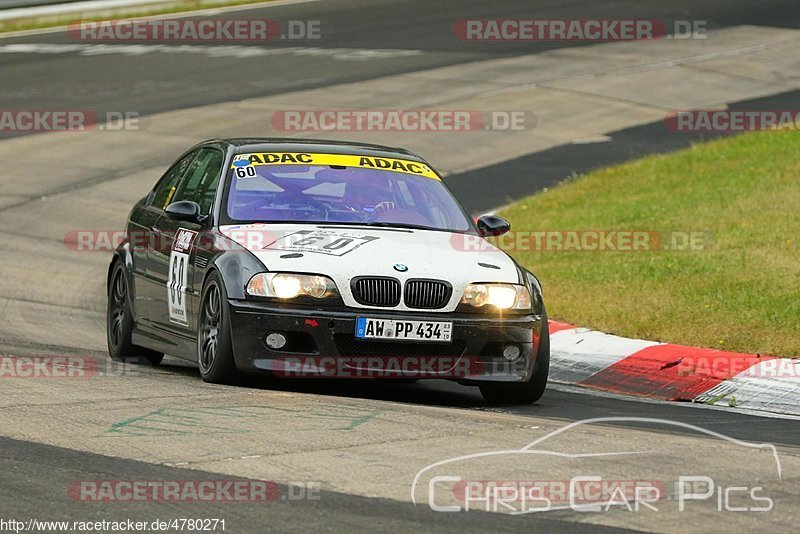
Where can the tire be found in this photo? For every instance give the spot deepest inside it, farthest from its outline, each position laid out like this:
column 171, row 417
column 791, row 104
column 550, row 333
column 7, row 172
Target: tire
column 525, row 392
column 214, row 346
column 119, row 323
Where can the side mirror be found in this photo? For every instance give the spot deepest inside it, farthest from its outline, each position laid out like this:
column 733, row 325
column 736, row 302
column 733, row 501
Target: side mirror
column 492, row 225
column 184, row 210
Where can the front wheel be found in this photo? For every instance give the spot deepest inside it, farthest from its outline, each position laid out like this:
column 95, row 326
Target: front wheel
column 119, row 323
column 214, row 347
column 524, row 392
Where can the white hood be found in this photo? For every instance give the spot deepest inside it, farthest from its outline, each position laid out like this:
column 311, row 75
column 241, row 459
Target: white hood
column 344, row 252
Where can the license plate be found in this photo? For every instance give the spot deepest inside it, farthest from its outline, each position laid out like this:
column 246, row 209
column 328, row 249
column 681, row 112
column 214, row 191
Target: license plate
column 390, row 329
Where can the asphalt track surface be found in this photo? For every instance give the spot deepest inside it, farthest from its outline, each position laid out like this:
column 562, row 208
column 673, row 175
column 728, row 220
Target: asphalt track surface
column 161, row 82
column 32, row 473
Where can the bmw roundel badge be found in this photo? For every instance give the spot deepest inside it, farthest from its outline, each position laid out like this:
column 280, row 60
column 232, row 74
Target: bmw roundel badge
column 400, row 267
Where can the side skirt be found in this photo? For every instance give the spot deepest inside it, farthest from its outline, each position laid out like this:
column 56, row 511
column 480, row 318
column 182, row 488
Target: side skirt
column 182, row 347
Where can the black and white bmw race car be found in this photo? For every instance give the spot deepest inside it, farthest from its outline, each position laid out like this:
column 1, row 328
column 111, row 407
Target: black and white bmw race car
column 323, row 259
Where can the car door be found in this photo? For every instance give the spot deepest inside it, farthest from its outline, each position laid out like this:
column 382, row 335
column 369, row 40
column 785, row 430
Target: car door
column 144, row 239
column 173, row 264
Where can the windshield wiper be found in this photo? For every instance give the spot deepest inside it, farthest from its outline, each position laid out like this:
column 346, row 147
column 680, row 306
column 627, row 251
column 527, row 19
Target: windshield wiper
column 397, row 225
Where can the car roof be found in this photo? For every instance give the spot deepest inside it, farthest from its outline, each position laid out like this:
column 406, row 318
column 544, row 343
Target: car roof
column 326, row 146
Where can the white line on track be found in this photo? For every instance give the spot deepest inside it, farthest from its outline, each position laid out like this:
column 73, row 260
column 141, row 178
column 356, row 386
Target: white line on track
column 228, row 51
column 180, row 15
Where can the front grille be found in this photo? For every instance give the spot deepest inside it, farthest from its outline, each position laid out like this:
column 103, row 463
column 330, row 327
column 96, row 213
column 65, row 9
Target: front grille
column 427, row 294
column 376, row 291
column 348, row 345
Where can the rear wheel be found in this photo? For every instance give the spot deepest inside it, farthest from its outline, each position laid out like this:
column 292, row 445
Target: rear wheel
column 214, row 347
column 119, row 323
column 524, row 392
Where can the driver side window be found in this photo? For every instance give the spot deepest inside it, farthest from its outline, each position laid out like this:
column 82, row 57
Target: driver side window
column 201, row 180
column 165, row 190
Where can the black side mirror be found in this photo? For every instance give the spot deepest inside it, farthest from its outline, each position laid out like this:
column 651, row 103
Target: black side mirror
column 492, row 225
column 184, row 210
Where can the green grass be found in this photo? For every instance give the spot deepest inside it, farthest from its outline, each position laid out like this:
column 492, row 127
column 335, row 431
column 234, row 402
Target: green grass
column 741, row 293
column 178, row 6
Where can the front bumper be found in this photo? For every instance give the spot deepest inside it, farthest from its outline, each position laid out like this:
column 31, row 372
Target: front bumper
column 322, row 343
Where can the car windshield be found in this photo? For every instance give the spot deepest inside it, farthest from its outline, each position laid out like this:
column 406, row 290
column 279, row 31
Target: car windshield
column 336, row 194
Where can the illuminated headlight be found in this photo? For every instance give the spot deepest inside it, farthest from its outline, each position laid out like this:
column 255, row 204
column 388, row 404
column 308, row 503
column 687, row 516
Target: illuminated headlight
column 500, row 296
column 289, row 285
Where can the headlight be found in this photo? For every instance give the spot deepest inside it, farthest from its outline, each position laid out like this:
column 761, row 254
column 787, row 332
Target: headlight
column 289, row 285
column 500, row 296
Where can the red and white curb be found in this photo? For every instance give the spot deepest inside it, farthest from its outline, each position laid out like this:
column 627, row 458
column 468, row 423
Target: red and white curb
column 586, row 358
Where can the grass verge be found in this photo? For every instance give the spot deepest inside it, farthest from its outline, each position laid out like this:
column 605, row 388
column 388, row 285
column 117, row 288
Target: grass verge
column 740, row 291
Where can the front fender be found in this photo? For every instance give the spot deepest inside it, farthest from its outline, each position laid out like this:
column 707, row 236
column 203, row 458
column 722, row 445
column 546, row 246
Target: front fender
column 236, row 265
column 123, row 254
column 536, row 291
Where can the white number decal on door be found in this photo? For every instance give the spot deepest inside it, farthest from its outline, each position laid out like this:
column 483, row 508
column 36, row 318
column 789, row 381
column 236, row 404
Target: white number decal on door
column 179, row 276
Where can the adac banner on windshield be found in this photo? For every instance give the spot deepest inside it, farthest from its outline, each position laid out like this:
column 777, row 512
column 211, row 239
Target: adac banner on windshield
column 339, row 160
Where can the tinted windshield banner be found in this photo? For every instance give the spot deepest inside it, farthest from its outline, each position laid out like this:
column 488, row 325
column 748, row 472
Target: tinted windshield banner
column 343, row 160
